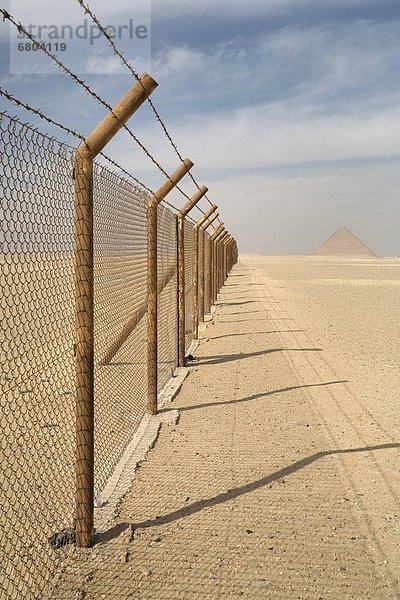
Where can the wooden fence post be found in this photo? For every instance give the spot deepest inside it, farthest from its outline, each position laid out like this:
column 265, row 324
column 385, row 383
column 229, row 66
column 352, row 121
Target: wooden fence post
column 217, row 231
column 84, row 336
column 181, row 271
column 207, row 268
column 217, row 264
column 226, row 246
column 152, row 284
column 201, row 273
column 206, row 218
column 221, row 240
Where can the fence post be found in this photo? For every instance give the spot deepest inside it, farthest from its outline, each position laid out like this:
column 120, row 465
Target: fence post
column 229, row 251
column 84, row 335
column 217, row 262
column 205, row 218
column 201, row 273
column 213, row 259
column 181, row 271
column 221, row 245
column 223, row 262
column 207, row 268
column 226, row 245
column 217, row 231
column 152, row 312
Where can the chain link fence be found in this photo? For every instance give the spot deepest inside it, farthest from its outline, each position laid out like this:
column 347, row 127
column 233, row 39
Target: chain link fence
column 37, row 409
column 119, row 292
column 189, row 249
column 37, row 336
column 207, row 291
column 167, row 299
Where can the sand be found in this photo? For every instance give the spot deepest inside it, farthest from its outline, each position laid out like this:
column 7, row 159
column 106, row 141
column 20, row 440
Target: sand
column 37, row 400
column 282, row 478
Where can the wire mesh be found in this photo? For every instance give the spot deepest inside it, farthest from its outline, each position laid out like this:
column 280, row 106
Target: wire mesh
column 207, row 288
column 120, row 247
column 167, row 298
column 37, row 360
column 189, row 249
column 37, row 335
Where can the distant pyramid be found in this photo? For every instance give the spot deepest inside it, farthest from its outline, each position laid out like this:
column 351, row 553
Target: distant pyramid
column 343, row 243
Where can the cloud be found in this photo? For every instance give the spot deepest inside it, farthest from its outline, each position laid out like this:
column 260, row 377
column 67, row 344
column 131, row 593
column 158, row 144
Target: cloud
column 278, row 135
column 295, row 60
column 238, row 8
column 98, row 64
column 178, row 62
column 289, row 110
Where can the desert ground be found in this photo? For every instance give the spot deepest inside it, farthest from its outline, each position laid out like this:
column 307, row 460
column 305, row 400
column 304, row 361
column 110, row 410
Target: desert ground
column 37, row 399
column 282, row 478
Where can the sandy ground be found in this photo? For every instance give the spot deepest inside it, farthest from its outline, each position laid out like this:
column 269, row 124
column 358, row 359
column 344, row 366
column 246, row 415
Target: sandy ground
column 37, row 399
column 282, row 478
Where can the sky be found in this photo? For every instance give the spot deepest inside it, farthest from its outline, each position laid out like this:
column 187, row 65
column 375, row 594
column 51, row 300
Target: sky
column 290, row 109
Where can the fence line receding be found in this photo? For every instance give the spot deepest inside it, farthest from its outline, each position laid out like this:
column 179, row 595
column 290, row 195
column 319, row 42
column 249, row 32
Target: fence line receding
column 38, row 337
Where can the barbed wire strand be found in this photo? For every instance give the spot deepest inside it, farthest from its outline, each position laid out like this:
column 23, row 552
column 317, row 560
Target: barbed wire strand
column 86, row 8
column 68, row 130
column 14, row 119
column 74, row 133
column 82, row 83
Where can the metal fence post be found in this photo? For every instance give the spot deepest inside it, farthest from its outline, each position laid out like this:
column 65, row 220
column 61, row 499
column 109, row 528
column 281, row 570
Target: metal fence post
column 84, row 342
column 152, row 312
column 217, row 231
column 181, row 271
column 216, row 273
column 226, row 246
column 206, row 218
column 229, row 251
column 207, row 268
column 201, row 274
column 221, row 278
column 209, row 263
column 195, row 283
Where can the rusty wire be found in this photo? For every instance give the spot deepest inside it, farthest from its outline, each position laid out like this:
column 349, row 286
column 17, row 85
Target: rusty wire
column 129, row 66
column 86, row 87
column 6, row 94
column 70, row 131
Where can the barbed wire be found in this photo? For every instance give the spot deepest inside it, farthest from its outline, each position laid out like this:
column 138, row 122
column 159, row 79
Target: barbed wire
column 129, row 66
column 70, row 131
column 135, row 74
column 82, row 83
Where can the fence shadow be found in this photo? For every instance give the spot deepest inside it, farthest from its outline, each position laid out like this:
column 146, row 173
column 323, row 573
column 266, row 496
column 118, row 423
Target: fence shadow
column 245, row 312
column 260, row 395
column 216, row 360
column 222, row 303
column 219, row 337
column 252, row 320
column 198, row 506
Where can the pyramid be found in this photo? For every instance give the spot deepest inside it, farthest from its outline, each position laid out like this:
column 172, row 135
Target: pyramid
column 343, row 243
